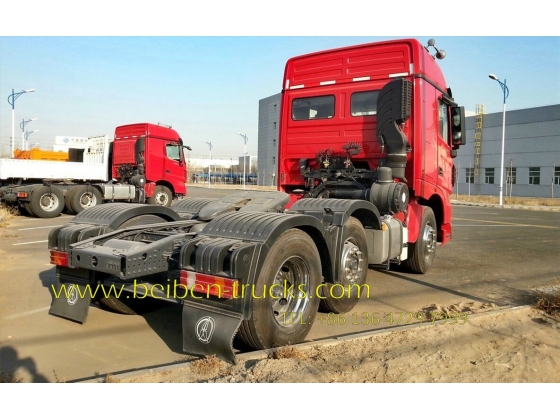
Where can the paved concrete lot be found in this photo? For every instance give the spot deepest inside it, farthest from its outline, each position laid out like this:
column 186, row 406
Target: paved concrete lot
column 497, row 256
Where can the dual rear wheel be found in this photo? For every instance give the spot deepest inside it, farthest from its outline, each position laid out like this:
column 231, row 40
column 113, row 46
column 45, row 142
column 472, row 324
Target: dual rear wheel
column 81, row 197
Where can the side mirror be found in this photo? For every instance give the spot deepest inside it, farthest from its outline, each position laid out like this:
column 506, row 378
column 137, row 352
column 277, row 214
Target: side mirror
column 458, row 126
column 188, row 148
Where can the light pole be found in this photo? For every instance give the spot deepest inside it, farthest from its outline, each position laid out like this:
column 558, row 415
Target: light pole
column 23, row 137
column 244, row 155
column 11, row 100
column 209, row 143
column 506, row 94
column 27, row 133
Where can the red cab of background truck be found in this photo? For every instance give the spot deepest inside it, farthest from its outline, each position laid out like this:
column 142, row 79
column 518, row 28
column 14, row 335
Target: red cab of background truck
column 162, row 154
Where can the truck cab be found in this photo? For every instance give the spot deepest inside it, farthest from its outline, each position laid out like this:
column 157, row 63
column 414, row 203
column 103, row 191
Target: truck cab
column 154, row 155
column 333, row 141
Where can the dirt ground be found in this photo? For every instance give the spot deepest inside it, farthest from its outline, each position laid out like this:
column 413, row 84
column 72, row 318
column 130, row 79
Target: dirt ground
column 510, row 346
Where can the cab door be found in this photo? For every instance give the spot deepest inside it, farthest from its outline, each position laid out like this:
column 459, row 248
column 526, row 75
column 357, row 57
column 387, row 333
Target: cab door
column 175, row 170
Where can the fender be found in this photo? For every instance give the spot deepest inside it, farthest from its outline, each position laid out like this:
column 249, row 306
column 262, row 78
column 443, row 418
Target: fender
column 337, row 211
column 113, row 215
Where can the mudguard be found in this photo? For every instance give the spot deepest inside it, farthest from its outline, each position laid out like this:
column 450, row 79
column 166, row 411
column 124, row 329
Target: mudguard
column 72, row 302
column 209, row 331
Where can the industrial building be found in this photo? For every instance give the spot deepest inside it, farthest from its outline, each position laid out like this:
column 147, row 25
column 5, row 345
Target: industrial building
column 531, row 153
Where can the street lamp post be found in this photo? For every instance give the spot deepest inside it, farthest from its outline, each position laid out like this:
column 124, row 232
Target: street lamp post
column 27, row 133
column 23, row 137
column 209, row 143
column 11, row 100
column 244, row 156
column 505, row 90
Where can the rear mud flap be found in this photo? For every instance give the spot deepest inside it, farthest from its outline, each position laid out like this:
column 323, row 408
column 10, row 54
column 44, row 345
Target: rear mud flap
column 72, row 303
column 209, row 331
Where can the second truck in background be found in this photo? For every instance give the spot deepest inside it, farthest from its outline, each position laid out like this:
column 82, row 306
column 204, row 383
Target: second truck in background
column 143, row 163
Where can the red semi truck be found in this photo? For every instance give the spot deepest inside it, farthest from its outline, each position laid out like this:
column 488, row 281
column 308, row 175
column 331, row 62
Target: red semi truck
column 368, row 134
column 143, row 163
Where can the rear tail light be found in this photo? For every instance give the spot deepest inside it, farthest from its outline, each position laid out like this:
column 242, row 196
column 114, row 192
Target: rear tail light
column 59, row 258
column 221, row 287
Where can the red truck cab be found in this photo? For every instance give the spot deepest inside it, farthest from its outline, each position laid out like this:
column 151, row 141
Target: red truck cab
column 329, row 122
column 154, row 152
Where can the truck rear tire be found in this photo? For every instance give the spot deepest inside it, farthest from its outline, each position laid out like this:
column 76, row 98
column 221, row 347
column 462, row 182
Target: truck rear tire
column 85, row 196
column 284, row 302
column 68, row 200
column 127, row 304
column 162, row 196
column 46, row 202
column 27, row 208
column 421, row 253
column 352, row 272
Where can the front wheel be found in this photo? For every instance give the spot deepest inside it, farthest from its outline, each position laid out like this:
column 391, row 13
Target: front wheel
column 421, row 253
column 284, row 300
column 162, row 196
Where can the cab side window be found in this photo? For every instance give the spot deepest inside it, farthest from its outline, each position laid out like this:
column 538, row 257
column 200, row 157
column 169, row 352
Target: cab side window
column 443, row 122
column 173, row 151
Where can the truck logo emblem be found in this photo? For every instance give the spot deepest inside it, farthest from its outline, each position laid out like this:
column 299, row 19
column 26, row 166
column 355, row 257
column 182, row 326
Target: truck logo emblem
column 205, row 329
column 73, row 295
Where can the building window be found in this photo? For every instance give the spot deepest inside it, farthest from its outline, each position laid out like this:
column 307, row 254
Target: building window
column 489, row 176
column 273, row 160
column 469, row 175
column 274, row 124
column 557, row 175
column 511, row 176
column 534, row 175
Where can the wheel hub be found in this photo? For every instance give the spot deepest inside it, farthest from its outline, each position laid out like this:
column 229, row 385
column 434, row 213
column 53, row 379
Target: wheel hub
column 429, row 238
column 48, row 202
column 161, row 199
column 352, row 258
column 290, row 291
column 88, row 200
